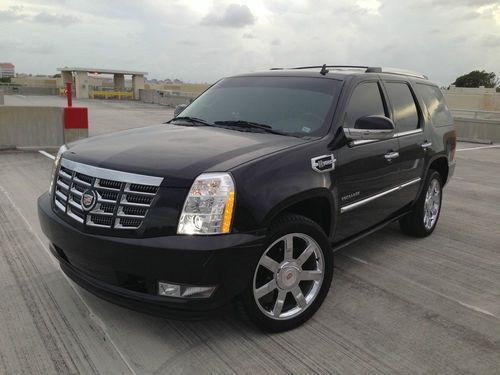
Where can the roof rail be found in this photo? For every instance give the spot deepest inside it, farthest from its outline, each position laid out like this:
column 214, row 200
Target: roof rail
column 369, row 69
column 403, row 72
column 332, row 66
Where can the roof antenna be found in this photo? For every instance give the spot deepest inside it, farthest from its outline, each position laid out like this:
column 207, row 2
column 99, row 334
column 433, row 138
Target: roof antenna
column 323, row 70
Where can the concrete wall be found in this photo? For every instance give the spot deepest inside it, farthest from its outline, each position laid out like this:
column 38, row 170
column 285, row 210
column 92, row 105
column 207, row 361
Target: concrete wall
column 471, row 90
column 35, row 81
column 26, row 90
column 477, row 129
column 162, row 97
column 37, row 127
column 473, row 98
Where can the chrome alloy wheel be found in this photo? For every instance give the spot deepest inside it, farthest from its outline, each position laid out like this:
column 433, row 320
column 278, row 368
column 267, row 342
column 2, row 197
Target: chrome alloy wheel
column 289, row 276
column 432, row 204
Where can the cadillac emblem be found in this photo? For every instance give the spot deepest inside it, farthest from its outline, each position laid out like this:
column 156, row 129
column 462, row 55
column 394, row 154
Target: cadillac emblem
column 89, row 200
column 324, row 163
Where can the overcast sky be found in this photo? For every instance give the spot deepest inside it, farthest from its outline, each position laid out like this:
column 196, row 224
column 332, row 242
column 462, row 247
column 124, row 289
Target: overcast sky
column 202, row 40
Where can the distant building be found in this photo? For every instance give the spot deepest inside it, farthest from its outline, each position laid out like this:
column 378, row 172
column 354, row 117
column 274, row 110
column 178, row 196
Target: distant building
column 7, row 70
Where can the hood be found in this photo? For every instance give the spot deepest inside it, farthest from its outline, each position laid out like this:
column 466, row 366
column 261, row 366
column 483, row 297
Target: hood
column 178, row 153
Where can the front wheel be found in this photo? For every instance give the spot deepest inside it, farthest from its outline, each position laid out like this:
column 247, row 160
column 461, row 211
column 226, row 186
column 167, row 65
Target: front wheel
column 292, row 277
column 422, row 220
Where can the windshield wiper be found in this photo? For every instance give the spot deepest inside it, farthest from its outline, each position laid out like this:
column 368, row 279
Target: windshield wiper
column 192, row 120
column 250, row 125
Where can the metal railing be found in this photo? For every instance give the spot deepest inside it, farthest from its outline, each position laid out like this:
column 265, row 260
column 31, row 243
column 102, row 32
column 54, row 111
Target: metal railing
column 107, row 94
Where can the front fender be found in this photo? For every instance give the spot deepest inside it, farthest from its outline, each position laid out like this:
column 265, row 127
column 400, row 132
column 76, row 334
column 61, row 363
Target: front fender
column 269, row 186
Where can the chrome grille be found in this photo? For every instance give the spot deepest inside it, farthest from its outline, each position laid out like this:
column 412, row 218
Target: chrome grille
column 123, row 199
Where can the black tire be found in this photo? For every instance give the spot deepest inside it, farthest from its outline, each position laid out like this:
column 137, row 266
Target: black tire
column 413, row 223
column 299, row 229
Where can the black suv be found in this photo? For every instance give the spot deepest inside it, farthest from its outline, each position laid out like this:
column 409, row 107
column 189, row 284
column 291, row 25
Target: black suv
column 249, row 190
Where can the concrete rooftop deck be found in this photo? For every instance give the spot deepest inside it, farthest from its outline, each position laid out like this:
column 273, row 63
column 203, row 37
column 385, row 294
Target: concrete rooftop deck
column 397, row 304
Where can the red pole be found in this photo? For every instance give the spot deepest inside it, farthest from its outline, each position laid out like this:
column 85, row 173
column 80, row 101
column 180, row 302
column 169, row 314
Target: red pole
column 69, row 94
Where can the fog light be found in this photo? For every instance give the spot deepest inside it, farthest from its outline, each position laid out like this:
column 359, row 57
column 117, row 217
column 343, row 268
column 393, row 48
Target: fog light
column 184, row 291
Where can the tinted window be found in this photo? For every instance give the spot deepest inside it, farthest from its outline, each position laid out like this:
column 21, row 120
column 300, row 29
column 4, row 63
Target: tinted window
column 295, row 105
column 365, row 101
column 434, row 101
column 405, row 110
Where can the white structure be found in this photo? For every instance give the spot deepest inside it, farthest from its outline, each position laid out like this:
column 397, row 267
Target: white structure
column 82, row 79
column 7, row 70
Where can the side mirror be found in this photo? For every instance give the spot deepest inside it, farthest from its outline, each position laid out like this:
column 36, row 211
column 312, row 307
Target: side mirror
column 179, row 109
column 371, row 128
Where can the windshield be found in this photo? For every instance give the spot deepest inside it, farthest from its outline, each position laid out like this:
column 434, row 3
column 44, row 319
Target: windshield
column 291, row 105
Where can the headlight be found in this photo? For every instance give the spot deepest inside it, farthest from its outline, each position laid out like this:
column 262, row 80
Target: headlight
column 209, row 206
column 57, row 160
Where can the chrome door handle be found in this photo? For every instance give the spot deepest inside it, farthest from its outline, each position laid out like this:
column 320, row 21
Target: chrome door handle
column 391, row 155
column 426, row 145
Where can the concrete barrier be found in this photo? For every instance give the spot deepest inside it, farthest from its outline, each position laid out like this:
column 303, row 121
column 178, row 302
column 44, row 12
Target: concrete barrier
column 31, row 127
column 163, row 97
column 2, row 99
column 27, row 127
column 477, row 129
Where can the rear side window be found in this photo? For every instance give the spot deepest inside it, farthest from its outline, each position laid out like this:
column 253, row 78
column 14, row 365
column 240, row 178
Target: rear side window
column 434, row 101
column 405, row 109
column 365, row 101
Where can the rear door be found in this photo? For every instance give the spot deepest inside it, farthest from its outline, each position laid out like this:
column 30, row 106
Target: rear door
column 368, row 178
column 413, row 145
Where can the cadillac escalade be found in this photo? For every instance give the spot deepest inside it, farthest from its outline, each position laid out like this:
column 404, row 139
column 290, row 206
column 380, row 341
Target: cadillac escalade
column 249, row 190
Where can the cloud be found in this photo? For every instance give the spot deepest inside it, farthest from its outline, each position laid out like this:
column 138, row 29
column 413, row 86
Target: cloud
column 276, row 42
column 233, row 16
column 189, row 43
column 202, row 41
column 55, row 19
column 278, row 6
column 467, row 3
column 12, row 14
column 491, row 41
column 38, row 50
column 17, row 13
column 469, row 16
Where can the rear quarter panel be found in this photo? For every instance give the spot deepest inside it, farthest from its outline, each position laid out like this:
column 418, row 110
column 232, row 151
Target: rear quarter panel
column 443, row 137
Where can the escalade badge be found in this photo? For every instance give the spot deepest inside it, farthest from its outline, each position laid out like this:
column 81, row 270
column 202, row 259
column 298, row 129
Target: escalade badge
column 323, row 163
column 89, row 200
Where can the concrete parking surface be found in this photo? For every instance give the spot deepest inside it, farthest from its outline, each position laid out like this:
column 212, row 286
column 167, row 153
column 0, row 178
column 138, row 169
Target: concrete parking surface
column 397, row 304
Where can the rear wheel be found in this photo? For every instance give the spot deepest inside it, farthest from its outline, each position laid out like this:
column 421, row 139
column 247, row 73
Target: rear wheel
column 292, row 277
column 423, row 219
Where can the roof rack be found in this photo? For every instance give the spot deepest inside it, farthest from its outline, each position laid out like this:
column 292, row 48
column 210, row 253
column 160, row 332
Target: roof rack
column 368, row 69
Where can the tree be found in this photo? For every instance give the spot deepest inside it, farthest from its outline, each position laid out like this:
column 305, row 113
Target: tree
column 477, row 78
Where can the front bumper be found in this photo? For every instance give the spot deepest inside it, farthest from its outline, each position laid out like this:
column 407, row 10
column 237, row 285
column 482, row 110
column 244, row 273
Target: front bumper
column 126, row 271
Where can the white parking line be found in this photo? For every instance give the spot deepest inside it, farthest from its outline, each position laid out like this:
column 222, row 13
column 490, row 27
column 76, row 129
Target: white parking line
column 46, row 154
column 477, row 148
